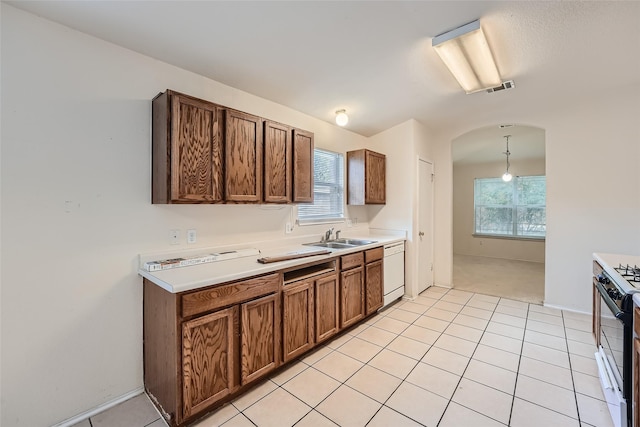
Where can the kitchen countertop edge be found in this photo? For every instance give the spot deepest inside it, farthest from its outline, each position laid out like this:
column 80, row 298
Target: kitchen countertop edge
column 194, row 277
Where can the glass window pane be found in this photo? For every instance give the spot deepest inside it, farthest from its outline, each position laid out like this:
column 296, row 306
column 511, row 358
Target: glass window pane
column 494, row 192
column 532, row 221
column 497, row 203
column 328, row 189
column 494, row 220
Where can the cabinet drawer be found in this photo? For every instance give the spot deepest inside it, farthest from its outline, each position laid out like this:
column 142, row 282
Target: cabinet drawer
column 636, row 320
column 352, row 260
column 228, row 294
column 373, row 254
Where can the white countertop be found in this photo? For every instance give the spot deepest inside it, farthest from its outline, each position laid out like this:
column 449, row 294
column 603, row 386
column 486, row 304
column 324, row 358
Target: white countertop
column 196, row 276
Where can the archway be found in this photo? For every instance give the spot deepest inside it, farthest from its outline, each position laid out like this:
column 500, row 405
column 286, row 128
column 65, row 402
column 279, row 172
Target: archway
column 499, row 227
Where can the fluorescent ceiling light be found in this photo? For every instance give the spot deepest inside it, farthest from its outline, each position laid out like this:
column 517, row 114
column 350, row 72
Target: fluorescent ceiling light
column 466, row 53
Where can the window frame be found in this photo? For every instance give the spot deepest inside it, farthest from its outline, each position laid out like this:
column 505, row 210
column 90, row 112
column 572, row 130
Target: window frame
column 514, row 206
column 336, row 189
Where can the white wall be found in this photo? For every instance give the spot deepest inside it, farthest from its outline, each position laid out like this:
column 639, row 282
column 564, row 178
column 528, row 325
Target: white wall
column 464, row 242
column 402, row 145
column 593, row 184
column 76, row 211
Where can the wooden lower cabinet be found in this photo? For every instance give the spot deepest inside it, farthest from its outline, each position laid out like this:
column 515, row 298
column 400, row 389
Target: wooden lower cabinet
column 327, row 306
column 297, row 318
column 260, row 335
column 352, row 296
column 635, row 392
column 374, row 287
column 204, row 347
column 207, row 359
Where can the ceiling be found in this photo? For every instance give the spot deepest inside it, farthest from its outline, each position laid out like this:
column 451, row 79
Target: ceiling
column 488, row 144
column 374, row 59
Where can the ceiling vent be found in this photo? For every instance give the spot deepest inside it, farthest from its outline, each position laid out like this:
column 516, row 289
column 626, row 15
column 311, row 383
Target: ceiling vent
column 509, row 84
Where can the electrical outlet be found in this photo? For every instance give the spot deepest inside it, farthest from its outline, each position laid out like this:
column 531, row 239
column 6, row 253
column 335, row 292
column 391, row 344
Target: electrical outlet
column 191, row 236
column 174, row 237
column 288, row 228
column 349, row 223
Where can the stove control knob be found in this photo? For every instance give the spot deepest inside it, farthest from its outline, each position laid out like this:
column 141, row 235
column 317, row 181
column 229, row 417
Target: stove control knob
column 602, row 279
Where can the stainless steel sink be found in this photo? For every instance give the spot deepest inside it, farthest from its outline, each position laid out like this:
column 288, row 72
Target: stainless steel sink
column 341, row 243
column 355, row 242
column 331, row 245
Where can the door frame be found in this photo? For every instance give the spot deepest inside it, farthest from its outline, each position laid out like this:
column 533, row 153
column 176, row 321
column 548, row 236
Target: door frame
column 416, row 228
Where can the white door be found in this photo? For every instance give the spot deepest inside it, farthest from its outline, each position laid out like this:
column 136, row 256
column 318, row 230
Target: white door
column 425, row 225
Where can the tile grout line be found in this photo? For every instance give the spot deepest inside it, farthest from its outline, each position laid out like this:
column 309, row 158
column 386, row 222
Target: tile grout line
column 515, row 385
column 467, row 366
column 573, row 382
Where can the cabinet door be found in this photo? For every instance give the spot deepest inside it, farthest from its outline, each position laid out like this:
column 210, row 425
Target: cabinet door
column 595, row 318
column 277, row 162
column 375, row 178
column 374, row 286
column 196, row 156
column 260, row 337
column 327, row 304
column 297, row 310
column 635, row 393
column 352, row 288
column 243, row 155
column 302, row 166
column 207, row 360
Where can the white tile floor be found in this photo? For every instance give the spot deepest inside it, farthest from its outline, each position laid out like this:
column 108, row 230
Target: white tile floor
column 450, row 358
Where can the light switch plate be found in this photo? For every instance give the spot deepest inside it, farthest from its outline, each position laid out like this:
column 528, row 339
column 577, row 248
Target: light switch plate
column 191, row 236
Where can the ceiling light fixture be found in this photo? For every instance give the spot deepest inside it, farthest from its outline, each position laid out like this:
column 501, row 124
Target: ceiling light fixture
column 506, row 177
column 341, row 118
column 466, row 53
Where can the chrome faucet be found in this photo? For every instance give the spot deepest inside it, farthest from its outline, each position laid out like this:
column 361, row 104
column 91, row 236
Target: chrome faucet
column 338, row 234
column 327, row 235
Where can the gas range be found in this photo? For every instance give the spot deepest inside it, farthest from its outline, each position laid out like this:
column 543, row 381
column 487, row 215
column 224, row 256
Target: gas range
column 622, row 271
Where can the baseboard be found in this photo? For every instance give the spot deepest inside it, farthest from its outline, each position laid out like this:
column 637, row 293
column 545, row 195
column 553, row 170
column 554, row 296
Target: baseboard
column 101, row 408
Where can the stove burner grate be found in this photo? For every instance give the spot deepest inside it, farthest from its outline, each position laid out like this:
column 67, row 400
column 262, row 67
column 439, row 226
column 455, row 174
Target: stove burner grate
column 629, row 273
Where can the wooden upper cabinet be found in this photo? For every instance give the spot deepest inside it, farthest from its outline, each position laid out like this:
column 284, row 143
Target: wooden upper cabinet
column 208, row 153
column 277, row 162
column 243, row 156
column 187, row 150
column 366, row 176
column 302, row 166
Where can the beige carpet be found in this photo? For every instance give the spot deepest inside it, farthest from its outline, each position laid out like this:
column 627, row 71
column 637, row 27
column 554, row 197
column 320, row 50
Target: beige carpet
column 518, row 280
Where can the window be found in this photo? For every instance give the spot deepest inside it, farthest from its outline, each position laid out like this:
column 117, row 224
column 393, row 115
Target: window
column 328, row 189
column 511, row 209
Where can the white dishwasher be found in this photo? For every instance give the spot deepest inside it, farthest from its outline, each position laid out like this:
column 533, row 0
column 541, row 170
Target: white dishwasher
column 393, row 272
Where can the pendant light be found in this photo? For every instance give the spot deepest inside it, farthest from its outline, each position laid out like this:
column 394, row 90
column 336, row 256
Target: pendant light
column 506, row 177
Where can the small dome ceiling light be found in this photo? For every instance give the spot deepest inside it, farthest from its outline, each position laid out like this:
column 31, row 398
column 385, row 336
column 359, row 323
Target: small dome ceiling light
column 506, row 177
column 341, row 118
